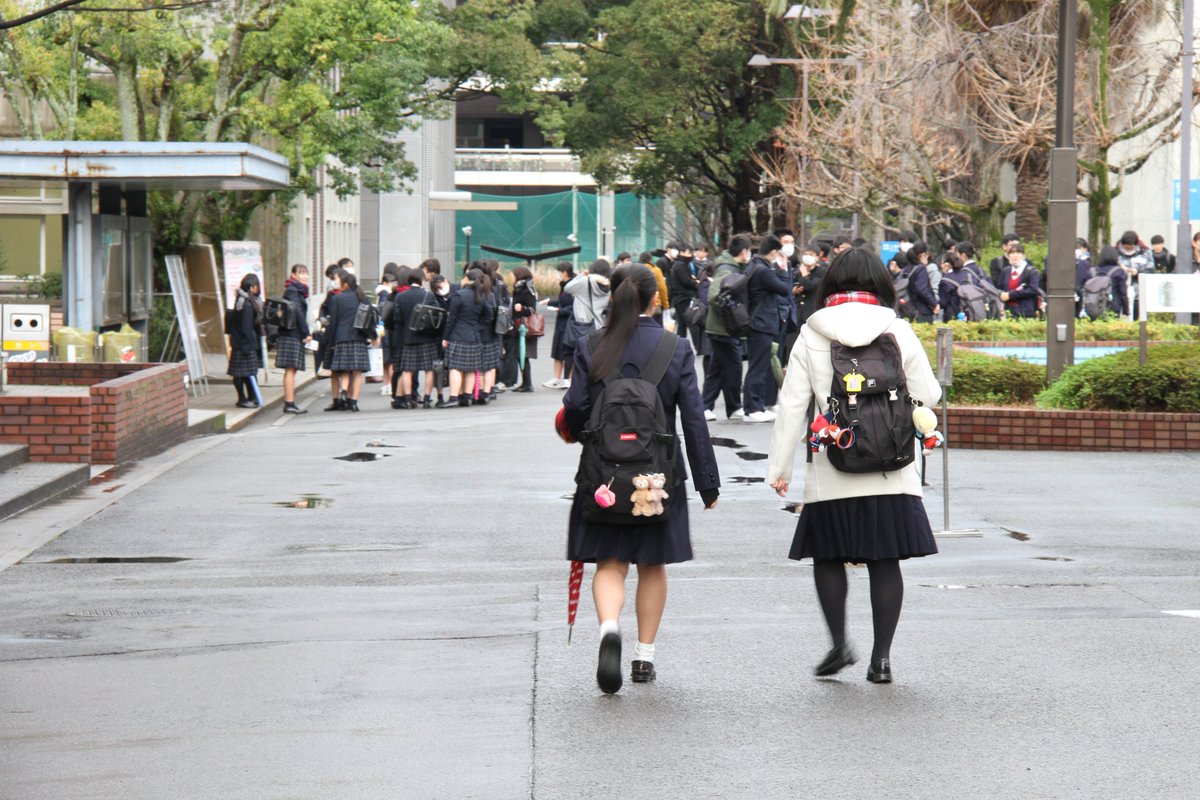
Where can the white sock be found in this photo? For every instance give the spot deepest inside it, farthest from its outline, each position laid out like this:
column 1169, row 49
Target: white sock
column 643, row 652
column 609, row 626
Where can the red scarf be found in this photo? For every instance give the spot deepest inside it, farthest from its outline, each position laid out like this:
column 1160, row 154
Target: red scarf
column 837, row 298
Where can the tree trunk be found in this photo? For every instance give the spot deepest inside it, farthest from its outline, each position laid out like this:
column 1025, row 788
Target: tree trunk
column 1032, row 185
column 127, row 100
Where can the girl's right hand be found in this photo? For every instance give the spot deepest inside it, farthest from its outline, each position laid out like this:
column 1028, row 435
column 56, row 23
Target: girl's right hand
column 781, row 487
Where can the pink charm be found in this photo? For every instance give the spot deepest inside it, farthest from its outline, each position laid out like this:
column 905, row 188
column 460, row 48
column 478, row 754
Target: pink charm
column 605, row 497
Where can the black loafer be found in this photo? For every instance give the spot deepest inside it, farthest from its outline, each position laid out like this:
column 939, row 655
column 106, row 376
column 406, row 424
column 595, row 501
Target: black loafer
column 643, row 671
column 608, row 664
column 880, row 671
column 836, row 660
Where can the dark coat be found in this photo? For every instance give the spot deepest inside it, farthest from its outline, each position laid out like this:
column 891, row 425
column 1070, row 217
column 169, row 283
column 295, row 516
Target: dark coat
column 525, row 296
column 1022, row 301
column 767, row 286
column 920, row 292
column 296, row 293
column 342, row 309
column 806, row 302
column 678, row 389
column 681, row 284
column 241, row 324
column 402, row 316
column 468, row 320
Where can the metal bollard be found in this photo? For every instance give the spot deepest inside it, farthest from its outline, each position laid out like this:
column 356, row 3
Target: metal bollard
column 945, row 376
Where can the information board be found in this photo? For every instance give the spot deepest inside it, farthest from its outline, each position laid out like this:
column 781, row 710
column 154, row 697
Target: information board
column 1169, row 292
column 241, row 259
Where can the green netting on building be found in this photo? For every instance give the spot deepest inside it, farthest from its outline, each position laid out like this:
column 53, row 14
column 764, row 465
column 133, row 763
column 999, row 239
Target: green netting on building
column 603, row 225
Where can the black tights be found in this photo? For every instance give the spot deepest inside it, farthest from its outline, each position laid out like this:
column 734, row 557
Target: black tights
column 244, row 392
column 887, row 595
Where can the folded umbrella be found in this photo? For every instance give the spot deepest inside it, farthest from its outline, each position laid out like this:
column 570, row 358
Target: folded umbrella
column 573, row 586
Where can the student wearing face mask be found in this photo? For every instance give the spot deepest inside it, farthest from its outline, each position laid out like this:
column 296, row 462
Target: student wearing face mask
column 1134, row 259
column 899, row 261
column 809, row 273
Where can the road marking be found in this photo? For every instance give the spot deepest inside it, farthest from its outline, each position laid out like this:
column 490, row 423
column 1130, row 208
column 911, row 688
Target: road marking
column 1192, row 614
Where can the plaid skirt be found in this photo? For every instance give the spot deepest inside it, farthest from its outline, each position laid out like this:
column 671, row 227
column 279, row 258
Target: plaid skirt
column 418, row 357
column 492, row 355
column 350, row 357
column 464, row 356
column 386, row 345
column 289, row 353
column 244, row 363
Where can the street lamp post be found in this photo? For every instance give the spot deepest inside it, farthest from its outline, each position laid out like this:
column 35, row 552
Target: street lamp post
column 467, row 233
column 1064, row 182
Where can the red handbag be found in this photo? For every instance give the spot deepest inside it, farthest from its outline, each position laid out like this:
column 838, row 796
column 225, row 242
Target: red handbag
column 535, row 325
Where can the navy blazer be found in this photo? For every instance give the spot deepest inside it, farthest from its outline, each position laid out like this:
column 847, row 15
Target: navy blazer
column 1022, row 301
column 920, row 292
column 678, row 389
column 297, row 294
column 405, row 310
column 767, row 286
column 467, row 320
column 343, row 307
column 948, row 295
column 240, row 324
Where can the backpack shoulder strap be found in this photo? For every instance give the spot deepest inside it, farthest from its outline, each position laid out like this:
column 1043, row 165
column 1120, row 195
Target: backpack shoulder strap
column 660, row 359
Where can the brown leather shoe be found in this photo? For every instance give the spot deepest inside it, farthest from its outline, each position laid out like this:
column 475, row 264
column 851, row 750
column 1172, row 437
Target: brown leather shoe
column 642, row 672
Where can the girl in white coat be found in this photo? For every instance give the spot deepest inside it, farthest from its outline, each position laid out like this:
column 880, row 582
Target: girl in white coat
column 876, row 518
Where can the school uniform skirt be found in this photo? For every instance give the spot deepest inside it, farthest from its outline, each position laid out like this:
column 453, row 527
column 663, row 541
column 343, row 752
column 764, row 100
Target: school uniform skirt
column 244, row 363
column 493, row 354
column 861, row 529
column 350, row 357
column 667, row 542
column 289, row 353
column 385, row 344
column 465, row 356
column 559, row 351
column 418, row 357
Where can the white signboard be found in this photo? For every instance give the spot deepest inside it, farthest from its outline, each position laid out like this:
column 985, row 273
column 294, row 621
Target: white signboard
column 186, row 315
column 241, row 259
column 1177, row 294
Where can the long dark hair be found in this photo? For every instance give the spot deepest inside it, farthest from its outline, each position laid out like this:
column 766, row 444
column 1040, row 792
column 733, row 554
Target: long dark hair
column 633, row 289
column 857, row 270
column 480, row 282
column 349, row 282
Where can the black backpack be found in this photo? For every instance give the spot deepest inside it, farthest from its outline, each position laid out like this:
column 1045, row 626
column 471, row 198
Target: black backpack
column 427, row 316
column 280, row 313
column 870, row 397
column 366, row 320
column 627, row 436
column 732, row 303
column 904, row 302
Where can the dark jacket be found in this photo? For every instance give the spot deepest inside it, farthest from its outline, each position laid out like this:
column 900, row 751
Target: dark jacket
column 767, row 285
column 678, row 389
column 1022, row 301
column 920, row 292
column 681, row 284
column 526, row 297
column 948, row 295
column 241, row 323
column 806, row 302
column 973, row 267
column 342, row 309
column 296, row 293
column 402, row 316
column 468, row 320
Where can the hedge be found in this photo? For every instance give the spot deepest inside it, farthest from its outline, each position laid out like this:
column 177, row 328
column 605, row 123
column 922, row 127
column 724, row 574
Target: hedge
column 1168, row 381
column 984, row 380
column 1034, row 330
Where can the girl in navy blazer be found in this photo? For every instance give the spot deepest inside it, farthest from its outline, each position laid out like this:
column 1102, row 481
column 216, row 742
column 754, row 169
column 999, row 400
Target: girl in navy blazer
column 468, row 322
column 626, row 343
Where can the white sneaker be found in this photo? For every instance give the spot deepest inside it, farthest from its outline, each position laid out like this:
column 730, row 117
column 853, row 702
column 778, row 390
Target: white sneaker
column 385, row 390
column 739, row 414
column 773, row 409
column 710, row 416
column 563, row 383
column 552, row 383
column 760, row 416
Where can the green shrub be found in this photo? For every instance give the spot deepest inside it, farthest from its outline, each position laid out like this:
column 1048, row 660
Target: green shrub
column 981, row 379
column 1168, row 381
column 1033, row 330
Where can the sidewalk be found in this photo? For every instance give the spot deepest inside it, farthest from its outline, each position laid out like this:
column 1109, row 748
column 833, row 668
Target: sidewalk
column 205, row 410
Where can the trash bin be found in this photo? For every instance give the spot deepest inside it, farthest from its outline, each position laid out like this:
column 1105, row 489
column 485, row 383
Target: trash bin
column 74, row 346
column 123, row 346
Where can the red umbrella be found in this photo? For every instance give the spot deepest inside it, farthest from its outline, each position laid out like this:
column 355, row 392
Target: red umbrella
column 573, row 585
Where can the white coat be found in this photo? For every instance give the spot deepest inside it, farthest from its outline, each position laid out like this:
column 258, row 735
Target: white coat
column 810, row 374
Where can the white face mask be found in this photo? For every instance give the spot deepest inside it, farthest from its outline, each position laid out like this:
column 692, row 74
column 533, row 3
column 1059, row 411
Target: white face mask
column 808, row 260
column 1080, row 255
column 443, row 290
column 904, row 246
column 788, row 250
column 671, row 253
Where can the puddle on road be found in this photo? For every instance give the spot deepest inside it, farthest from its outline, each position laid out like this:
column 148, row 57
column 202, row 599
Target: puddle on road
column 722, row 441
column 793, row 508
column 744, row 479
column 115, row 560
column 749, row 455
column 1052, row 558
column 362, row 457
column 1018, row 535
column 307, row 501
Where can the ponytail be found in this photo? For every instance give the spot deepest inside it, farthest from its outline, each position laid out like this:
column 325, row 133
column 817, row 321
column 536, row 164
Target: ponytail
column 634, row 288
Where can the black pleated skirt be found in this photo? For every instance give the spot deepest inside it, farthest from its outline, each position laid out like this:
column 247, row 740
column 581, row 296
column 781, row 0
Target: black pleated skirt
column 289, row 353
column 864, row 529
column 350, row 357
column 558, row 350
column 668, row 542
column 244, row 363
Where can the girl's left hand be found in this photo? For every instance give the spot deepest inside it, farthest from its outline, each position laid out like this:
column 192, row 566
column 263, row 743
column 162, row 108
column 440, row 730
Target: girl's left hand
column 781, row 487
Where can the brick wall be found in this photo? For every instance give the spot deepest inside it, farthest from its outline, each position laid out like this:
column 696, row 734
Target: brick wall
column 54, row 428
column 979, row 428
column 132, row 410
column 57, row 373
column 139, row 413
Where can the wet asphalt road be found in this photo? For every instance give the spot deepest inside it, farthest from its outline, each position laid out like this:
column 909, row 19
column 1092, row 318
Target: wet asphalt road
column 402, row 634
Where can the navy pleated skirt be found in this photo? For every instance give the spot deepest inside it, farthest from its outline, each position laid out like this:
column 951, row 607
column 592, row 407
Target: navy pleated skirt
column 667, row 542
column 861, row 529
